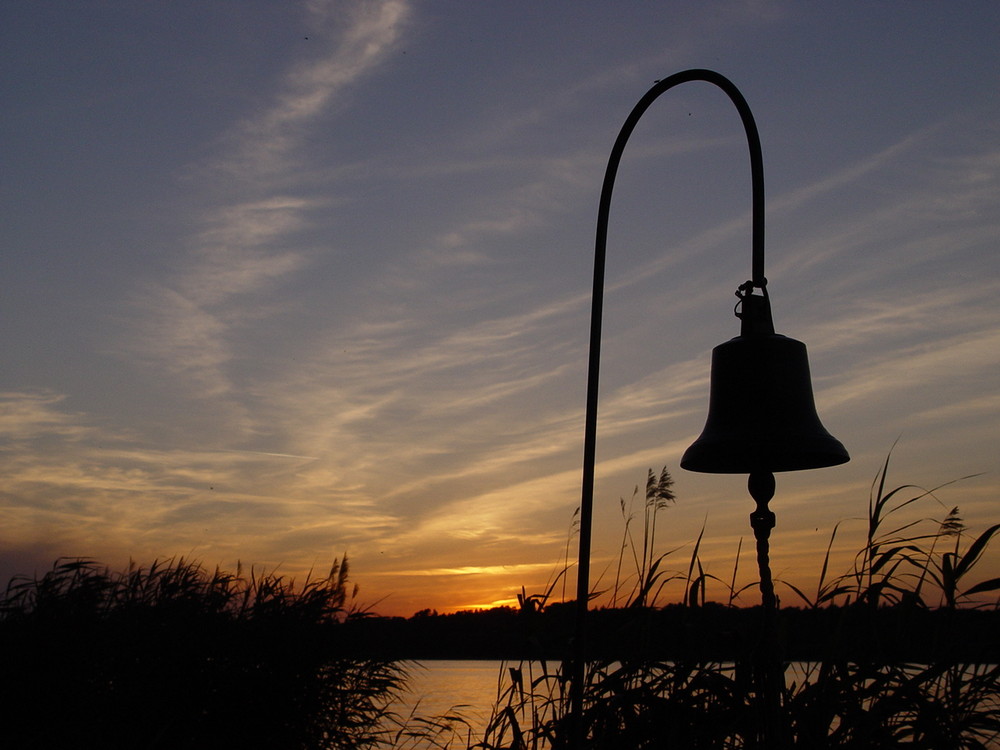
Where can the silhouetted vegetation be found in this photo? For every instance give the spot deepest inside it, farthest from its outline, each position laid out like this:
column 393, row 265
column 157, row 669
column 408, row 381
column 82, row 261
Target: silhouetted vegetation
column 176, row 656
column 898, row 651
column 884, row 655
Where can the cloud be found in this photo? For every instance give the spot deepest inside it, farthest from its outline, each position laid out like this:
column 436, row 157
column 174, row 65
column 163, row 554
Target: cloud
column 439, row 390
column 25, row 415
column 188, row 320
column 460, row 420
column 360, row 34
column 917, row 367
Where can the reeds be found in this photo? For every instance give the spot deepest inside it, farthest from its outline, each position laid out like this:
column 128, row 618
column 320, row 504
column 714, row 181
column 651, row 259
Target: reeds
column 910, row 588
column 176, row 655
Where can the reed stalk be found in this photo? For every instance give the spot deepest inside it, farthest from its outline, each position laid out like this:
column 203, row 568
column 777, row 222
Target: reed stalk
column 859, row 691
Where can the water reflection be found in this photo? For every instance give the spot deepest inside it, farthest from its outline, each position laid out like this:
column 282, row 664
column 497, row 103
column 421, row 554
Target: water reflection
column 440, row 687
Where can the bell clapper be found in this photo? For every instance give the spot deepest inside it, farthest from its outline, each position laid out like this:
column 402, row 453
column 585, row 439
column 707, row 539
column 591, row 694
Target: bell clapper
column 761, row 487
column 768, row 671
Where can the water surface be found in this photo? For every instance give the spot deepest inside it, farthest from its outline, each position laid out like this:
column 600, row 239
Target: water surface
column 441, row 686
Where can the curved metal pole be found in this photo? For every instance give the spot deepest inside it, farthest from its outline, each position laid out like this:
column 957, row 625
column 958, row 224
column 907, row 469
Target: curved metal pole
column 593, row 374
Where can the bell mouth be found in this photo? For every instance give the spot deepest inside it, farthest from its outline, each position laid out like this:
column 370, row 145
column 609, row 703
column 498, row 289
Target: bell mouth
column 761, row 414
column 787, row 453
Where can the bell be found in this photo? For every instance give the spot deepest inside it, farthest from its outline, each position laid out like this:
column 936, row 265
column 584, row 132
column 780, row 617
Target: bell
column 761, row 413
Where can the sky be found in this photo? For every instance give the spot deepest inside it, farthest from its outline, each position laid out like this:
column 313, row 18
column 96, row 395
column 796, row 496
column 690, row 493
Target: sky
column 284, row 282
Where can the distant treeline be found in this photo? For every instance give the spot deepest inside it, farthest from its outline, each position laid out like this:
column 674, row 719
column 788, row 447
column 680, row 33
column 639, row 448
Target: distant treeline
column 677, row 632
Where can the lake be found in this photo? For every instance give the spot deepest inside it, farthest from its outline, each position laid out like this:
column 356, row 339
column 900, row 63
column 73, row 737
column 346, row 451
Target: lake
column 436, row 687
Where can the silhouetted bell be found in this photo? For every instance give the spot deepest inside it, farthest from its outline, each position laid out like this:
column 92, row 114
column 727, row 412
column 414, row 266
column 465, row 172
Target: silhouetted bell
column 761, row 413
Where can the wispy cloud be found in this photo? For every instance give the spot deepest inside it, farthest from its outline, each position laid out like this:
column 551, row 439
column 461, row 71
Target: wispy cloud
column 29, row 414
column 926, row 364
column 246, row 247
column 359, row 37
column 379, row 345
column 77, row 488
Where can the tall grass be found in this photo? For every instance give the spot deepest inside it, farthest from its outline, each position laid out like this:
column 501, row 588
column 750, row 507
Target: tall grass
column 176, row 655
column 859, row 692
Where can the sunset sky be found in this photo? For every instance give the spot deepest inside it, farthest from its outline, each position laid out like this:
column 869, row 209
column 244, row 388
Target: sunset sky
column 284, row 281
